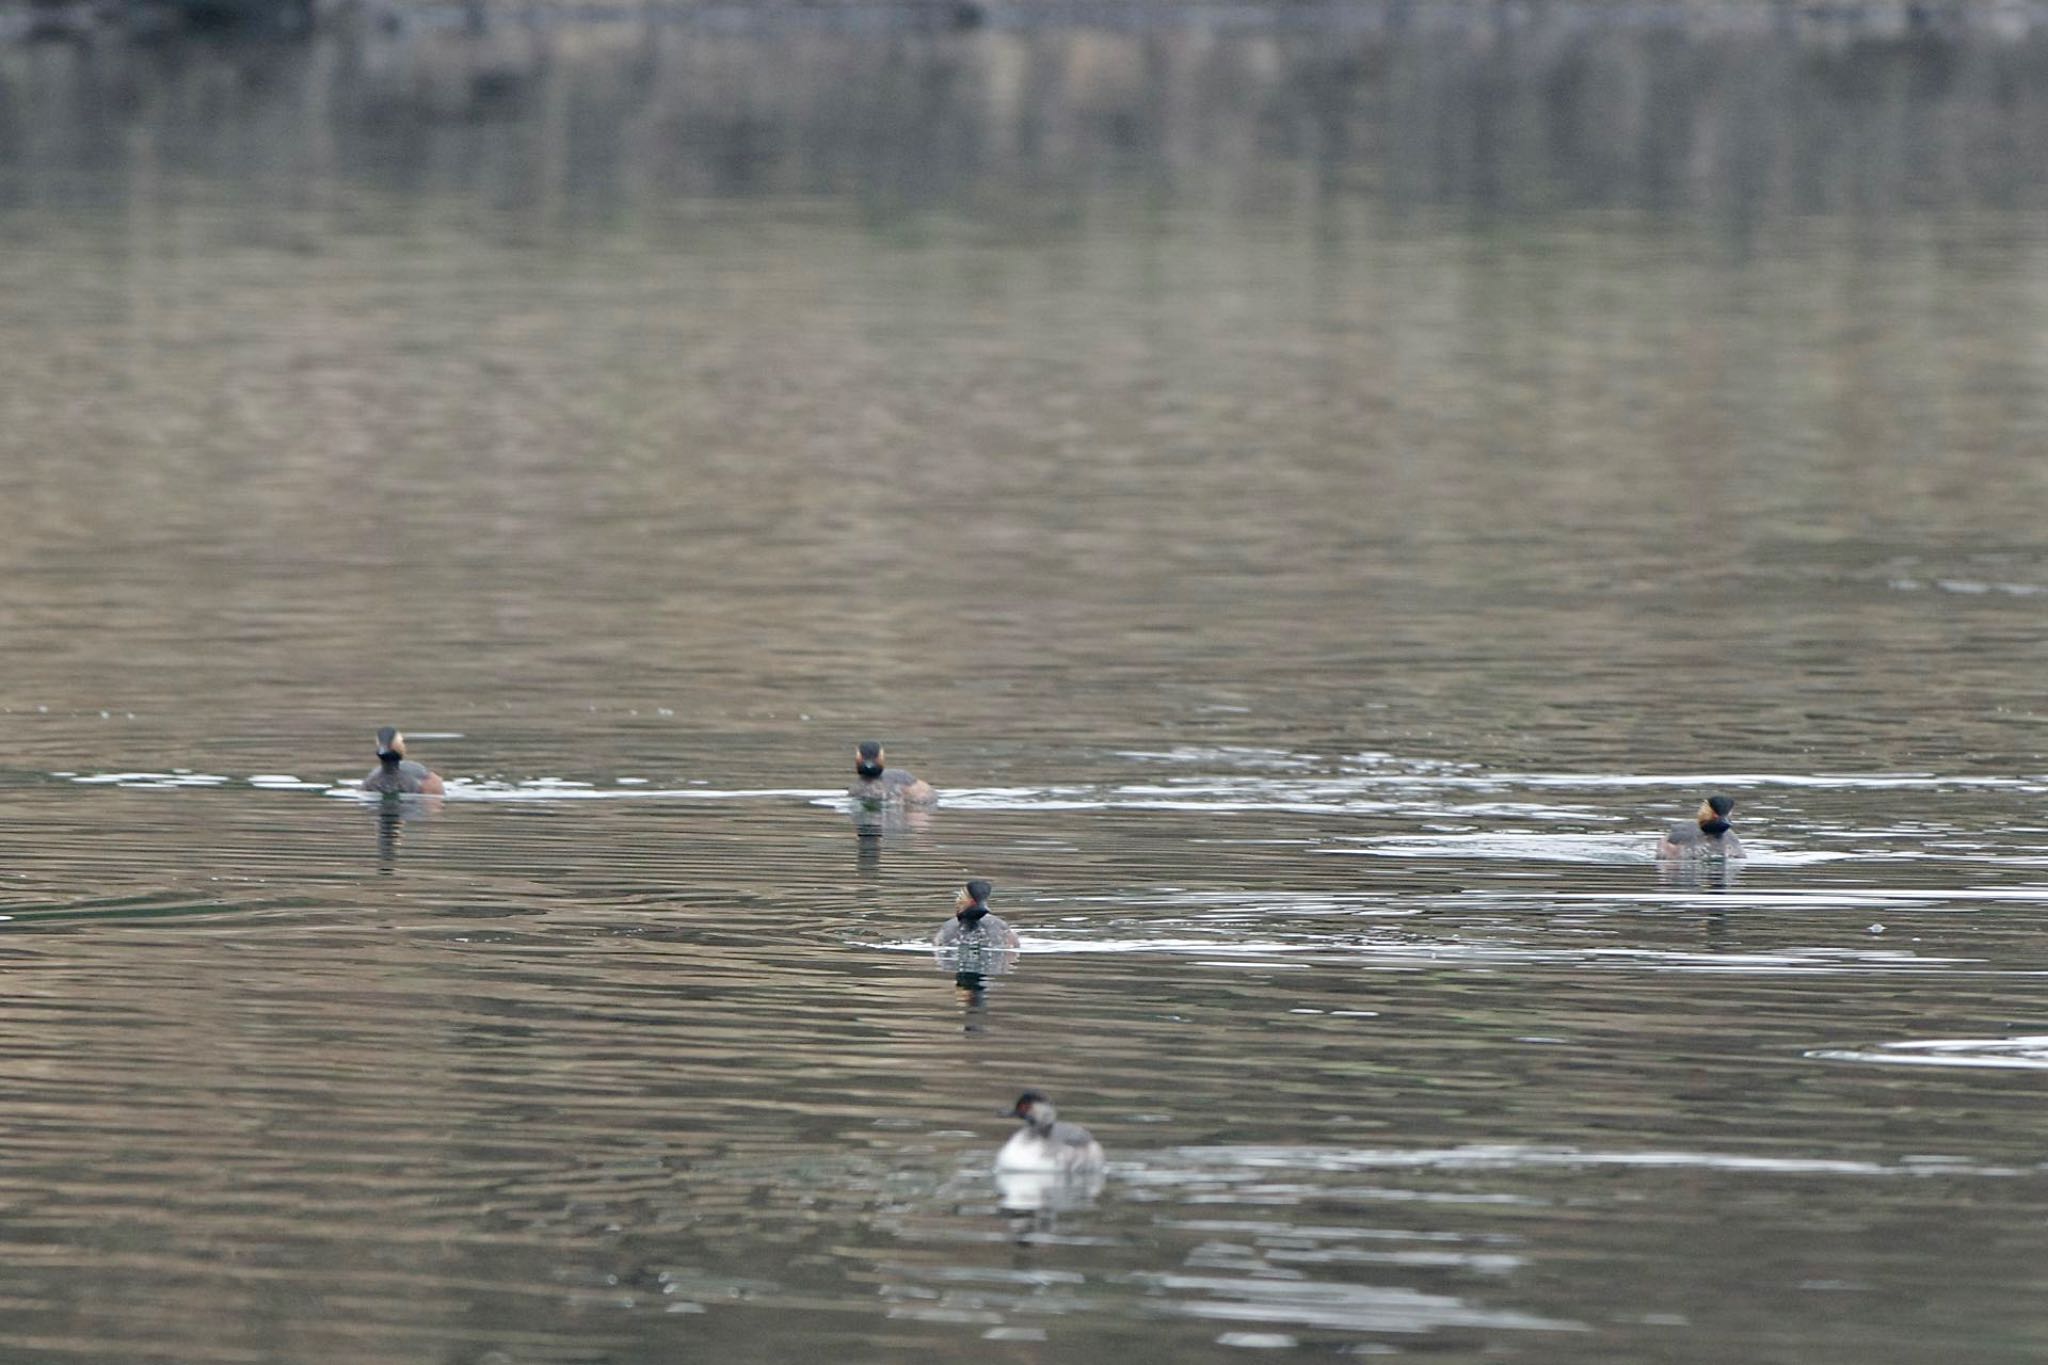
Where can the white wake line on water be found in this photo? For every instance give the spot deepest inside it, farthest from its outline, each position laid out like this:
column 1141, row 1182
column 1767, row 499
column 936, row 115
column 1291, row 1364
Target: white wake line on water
column 177, row 777
column 1611, row 850
column 458, row 789
column 1322, row 1304
column 1901, row 781
column 1221, row 801
column 2002, row 1054
column 1031, row 945
column 1242, row 755
column 1217, row 905
column 1513, row 1157
column 1383, row 766
column 557, row 789
column 1935, row 900
column 1392, row 770
column 1363, row 793
column 1814, row 961
column 554, row 789
column 1691, row 901
column 1026, row 799
column 1399, row 792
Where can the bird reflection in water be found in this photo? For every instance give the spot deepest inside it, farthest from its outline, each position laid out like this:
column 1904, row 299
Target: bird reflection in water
column 872, row 823
column 867, row 848
column 392, row 818
column 972, row 988
column 972, row 965
column 1704, row 874
column 1709, row 875
column 1033, row 1201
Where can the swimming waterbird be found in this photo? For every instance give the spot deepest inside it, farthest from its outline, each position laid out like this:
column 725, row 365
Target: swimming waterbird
column 972, row 923
column 1044, row 1145
column 395, row 774
column 1710, row 837
column 877, row 784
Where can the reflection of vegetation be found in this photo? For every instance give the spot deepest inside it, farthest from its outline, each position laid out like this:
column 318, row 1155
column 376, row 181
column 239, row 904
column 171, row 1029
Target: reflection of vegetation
column 595, row 121
column 258, row 16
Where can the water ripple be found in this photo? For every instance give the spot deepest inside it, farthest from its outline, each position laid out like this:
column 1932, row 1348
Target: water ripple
column 2016, row 1054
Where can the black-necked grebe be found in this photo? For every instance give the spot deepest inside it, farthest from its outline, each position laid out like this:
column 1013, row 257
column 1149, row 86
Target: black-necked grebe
column 876, row 784
column 972, row 922
column 1710, row 837
column 1046, row 1145
column 395, row 774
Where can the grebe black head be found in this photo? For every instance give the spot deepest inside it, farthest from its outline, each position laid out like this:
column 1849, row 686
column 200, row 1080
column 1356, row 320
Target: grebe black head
column 972, row 902
column 1713, row 815
column 1034, row 1108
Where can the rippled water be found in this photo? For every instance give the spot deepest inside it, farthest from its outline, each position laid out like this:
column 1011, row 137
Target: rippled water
column 1316, row 499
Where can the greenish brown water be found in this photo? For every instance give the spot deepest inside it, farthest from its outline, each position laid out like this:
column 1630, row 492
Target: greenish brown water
column 1316, row 501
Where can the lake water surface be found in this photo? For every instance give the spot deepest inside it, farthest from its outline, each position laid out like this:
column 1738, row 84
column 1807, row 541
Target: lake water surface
column 1316, row 499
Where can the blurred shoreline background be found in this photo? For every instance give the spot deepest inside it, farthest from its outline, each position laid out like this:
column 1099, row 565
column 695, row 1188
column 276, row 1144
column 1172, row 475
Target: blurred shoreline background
column 1796, row 18
column 1739, row 109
